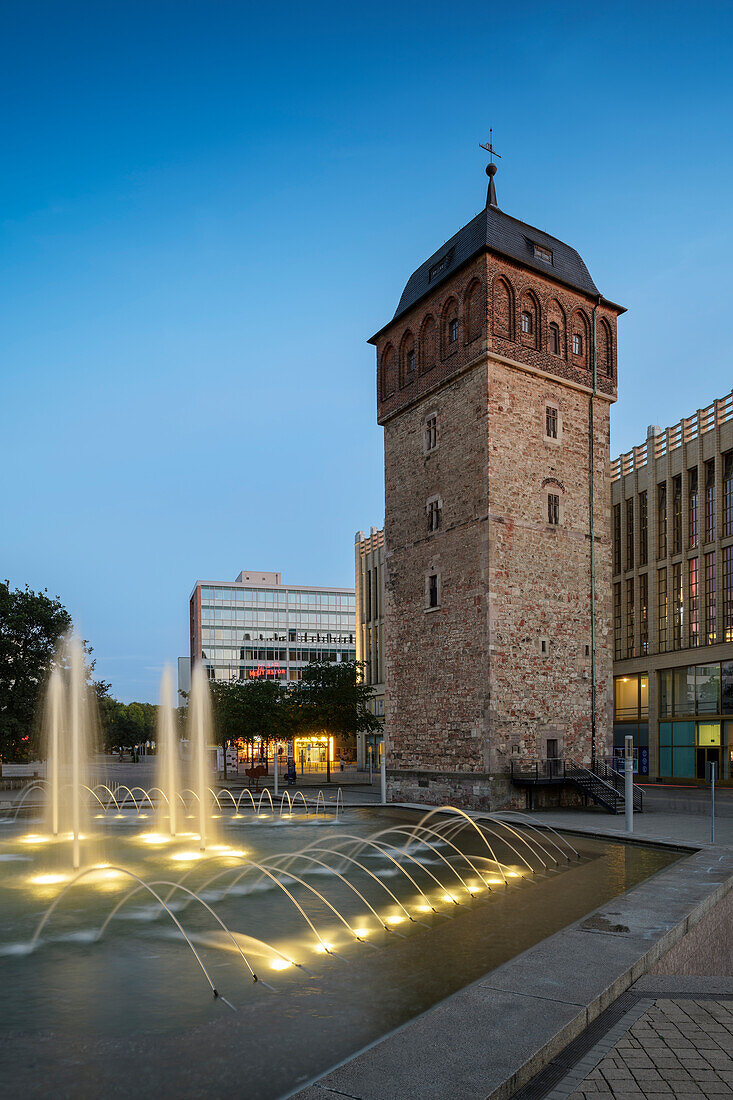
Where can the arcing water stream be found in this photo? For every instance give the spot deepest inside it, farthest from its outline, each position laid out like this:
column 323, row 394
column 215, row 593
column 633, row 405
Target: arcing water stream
column 108, row 889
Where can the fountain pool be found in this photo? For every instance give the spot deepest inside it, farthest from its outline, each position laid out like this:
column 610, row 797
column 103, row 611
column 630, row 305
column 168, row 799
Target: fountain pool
column 351, row 931
column 184, row 938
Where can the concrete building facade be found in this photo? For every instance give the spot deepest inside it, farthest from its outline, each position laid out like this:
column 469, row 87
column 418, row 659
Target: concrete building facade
column 495, row 379
column 370, row 652
column 258, row 627
column 672, row 551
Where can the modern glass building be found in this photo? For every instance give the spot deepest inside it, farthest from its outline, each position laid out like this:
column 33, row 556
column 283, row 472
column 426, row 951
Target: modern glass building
column 256, row 626
column 672, row 546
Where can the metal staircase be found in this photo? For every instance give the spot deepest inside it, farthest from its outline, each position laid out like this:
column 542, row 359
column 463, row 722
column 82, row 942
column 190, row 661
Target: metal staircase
column 600, row 782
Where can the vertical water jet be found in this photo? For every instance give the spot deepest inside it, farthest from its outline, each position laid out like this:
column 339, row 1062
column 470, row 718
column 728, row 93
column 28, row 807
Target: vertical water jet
column 167, row 733
column 199, row 721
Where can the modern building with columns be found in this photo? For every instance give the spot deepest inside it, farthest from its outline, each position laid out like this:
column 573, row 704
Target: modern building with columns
column 672, row 554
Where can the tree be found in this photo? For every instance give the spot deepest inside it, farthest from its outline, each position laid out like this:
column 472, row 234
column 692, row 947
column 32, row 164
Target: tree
column 332, row 697
column 31, row 625
column 249, row 709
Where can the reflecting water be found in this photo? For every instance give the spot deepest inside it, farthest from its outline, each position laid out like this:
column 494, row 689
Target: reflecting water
column 354, row 938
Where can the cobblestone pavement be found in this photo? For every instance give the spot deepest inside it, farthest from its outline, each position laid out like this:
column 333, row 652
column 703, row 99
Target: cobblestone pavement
column 681, row 1048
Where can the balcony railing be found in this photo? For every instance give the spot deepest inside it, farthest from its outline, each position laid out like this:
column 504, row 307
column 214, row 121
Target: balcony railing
column 689, row 428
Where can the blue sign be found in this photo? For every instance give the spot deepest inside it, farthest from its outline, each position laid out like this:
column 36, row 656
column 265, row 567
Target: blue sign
column 643, row 760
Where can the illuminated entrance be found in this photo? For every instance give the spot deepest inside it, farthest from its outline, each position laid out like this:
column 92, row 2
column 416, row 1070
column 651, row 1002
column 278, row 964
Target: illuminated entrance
column 311, row 751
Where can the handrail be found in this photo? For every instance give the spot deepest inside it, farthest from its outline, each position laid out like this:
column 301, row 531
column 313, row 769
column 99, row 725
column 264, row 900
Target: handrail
column 589, row 771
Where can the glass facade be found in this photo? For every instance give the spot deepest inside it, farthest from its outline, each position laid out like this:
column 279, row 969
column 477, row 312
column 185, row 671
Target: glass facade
column 696, row 720
column 631, row 718
column 247, row 632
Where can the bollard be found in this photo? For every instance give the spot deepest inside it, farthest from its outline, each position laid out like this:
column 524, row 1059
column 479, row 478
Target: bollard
column 629, row 782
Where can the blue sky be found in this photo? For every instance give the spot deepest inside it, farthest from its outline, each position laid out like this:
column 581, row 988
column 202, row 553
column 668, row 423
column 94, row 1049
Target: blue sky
column 207, row 207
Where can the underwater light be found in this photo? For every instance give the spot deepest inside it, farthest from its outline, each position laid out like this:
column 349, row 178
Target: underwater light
column 186, row 857
column 396, row 919
column 321, row 948
column 48, row 879
column 280, row 964
column 155, row 838
column 360, row 931
column 474, row 889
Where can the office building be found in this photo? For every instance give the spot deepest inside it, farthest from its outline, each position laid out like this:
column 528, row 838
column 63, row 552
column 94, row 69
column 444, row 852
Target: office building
column 672, row 548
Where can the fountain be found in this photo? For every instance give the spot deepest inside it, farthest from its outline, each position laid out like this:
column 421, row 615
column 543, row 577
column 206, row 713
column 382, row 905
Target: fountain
column 98, row 914
column 167, row 741
column 200, row 727
column 70, row 739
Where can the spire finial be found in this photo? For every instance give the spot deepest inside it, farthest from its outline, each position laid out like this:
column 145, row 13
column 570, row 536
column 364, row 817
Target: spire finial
column 491, row 169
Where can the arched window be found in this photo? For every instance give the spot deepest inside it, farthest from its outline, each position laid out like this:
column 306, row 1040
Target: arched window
column 428, row 345
column 503, row 310
column 556, row 328
column 450, row 326
column 388, row 372
column 408, row 360
column 474, row 311
column 579, row 340
column 530, row 320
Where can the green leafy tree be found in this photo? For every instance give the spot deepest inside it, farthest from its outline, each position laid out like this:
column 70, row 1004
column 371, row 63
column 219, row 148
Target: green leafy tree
column 331, row 697
column 31, row 624
column 249, row 709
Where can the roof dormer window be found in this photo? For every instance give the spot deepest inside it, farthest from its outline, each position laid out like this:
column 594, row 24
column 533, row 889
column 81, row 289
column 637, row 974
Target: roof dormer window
column 439, row 267
column 542, row 253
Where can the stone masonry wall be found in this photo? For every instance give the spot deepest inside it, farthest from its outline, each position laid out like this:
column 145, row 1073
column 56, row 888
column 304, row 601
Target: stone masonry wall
column 539, row 575
column 437, row 660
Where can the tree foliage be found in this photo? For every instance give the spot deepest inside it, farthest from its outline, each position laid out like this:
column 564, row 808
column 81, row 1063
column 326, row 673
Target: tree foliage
column 31, row 624
column 126, row 724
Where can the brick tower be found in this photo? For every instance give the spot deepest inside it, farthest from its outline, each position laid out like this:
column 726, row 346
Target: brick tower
column 494, row 375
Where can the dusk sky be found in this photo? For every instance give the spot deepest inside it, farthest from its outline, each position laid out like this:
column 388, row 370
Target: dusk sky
column 208, row 207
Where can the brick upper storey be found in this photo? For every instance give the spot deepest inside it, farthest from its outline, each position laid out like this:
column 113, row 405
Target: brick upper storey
column 477, row 296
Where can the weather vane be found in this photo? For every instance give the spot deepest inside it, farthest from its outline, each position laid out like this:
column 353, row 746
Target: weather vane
column 490, row 147
column 491, row 170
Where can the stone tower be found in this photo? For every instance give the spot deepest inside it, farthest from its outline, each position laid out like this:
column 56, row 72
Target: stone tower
column 496, row 372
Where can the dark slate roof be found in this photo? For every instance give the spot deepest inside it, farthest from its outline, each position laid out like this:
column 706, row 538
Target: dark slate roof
column 496, row 231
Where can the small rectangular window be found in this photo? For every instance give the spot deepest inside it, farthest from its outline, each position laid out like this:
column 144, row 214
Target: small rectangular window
column 431, row 433
column 453, row 330
column 542, row 253
column 434, row 514
column 551, row 422
column 577, row 344
column 553, row 509
column 433, row 590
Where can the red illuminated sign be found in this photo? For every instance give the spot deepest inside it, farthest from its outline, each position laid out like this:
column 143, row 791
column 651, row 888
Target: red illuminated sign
column 262, row 672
